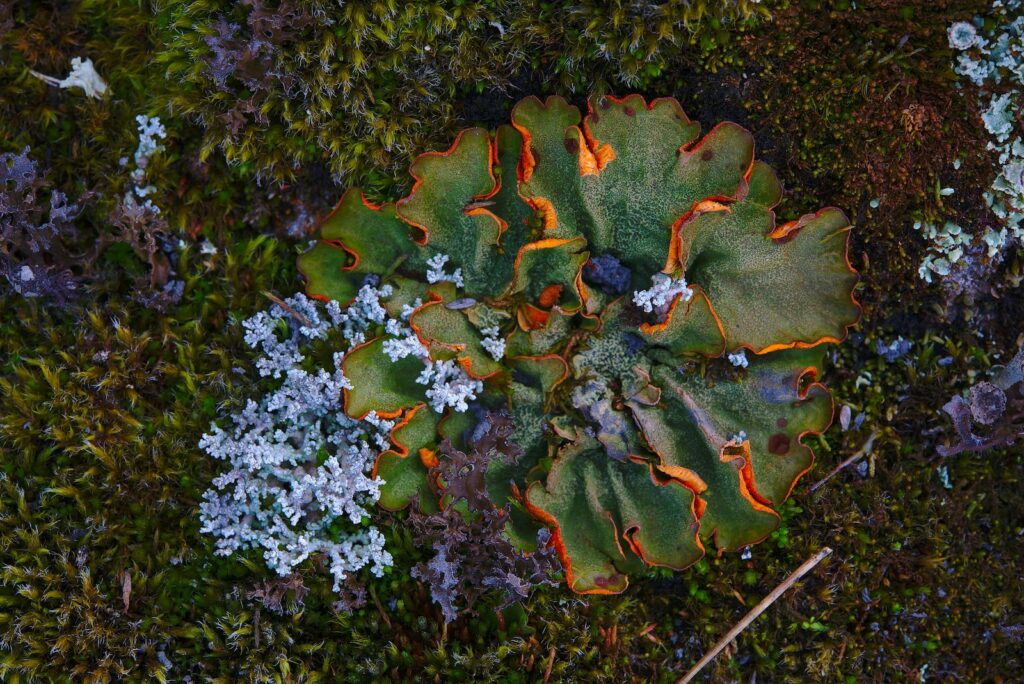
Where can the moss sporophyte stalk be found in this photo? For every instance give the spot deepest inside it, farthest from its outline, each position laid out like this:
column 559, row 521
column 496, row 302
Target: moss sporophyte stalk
column 618, row 285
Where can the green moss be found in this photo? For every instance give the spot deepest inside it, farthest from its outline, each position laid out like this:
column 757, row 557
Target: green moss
column 386, row 83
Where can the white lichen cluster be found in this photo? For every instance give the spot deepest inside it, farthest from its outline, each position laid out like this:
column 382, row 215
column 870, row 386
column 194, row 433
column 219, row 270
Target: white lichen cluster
column 436, row 273
column 492, row 343
column 299, row 480
column 403, row 341
column 739, row 358
column 150, row 131
column 992, row 59
column 449, row 386
column 737, row 439
column 662, row 292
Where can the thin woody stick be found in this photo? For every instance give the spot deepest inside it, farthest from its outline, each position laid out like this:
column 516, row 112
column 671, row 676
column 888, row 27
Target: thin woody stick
column 551, row 664
column 754, row 613
column 864, row 450
column 284, row 305
column 380, row 608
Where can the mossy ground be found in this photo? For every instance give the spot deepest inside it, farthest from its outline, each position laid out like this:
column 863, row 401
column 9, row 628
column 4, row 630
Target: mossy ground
column 105, row 576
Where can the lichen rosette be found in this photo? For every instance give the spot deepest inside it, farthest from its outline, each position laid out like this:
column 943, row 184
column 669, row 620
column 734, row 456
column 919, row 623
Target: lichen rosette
column 620, row 285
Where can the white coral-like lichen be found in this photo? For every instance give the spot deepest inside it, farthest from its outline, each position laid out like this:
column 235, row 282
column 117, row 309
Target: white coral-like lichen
column 662, row 292
column 436, row 272
column 408, row 344
column 450, row 386
column 299, row 480
column 365, row 311
column 150, row 131
column 492, row 342
column 739, row 358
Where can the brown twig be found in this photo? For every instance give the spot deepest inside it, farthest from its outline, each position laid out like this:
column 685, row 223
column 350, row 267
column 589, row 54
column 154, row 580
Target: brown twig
column 380, row 608
column 551, row 664
column 863, row 451
column 646, row 632
column 754, row 613
column 281, row 303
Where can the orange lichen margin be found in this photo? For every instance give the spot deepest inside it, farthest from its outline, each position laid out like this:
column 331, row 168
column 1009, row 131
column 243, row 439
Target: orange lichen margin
column 336, row 244
column 559, row 545
column 813, row 372
column 548, row 215
column 542, row 357
column 428, row 457
column 550, row 295
column 676, row 259
column 458, row 347
column 472, row 211
column 344, row 392
column 654, row 328
column 594, row 155
column 788, row 231
column 745, row 477
column 600, row 154
column 399, row 448
column 740, row 456
column 691, row 481
column 528, row 162
column 547, row 243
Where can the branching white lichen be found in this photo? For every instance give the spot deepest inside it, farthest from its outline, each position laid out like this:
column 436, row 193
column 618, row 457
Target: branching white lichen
column 299, row 480
column 406, row 343
column 739, row 358
column 364, row 311
column 436, row 273
column 150, row 131
column 492, row 343
column 661, row 293
column 450, row 386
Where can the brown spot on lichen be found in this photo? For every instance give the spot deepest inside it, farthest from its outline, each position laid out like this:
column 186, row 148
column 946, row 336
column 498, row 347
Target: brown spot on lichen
column 612, row 581
column 572, row 146
column 708, row 155
column 782, row 422
column 629, row 111
column 778, row 443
